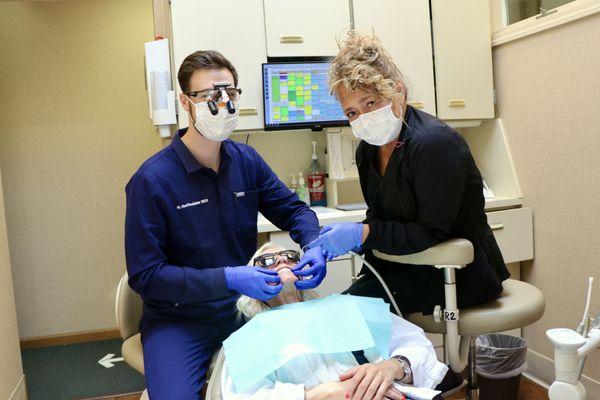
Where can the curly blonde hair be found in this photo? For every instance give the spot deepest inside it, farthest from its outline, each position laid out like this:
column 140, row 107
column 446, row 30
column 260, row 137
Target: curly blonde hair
column 363, row 63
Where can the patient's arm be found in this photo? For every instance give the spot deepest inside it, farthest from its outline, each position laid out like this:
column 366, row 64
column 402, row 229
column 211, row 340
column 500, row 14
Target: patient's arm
column 267, row 389
column 343, row 390
column 333, row 390
column 373, row 380
column 409, row 340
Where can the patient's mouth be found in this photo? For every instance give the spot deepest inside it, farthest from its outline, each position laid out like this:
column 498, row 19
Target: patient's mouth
column 289, row 293
column 287, row 276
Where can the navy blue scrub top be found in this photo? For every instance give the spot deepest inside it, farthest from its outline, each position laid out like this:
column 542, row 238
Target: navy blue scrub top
column 184, row 223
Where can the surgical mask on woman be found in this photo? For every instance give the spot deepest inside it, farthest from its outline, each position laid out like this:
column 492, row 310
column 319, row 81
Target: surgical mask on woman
column 215, row 127
column 377, row 127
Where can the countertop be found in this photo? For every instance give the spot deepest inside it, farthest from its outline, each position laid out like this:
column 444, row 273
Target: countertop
column 325, row 215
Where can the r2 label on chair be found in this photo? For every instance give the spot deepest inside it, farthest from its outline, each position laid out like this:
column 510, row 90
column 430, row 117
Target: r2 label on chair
column 451, row 315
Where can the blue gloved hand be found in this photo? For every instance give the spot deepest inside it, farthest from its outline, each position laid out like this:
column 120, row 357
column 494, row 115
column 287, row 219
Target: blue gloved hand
column 338, row 239
column 316, row 261
column 253, row 282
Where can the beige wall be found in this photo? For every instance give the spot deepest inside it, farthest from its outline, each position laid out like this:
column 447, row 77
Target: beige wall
column 548, row 91
column 287, row 152
column 74, row 127
column 11, row 369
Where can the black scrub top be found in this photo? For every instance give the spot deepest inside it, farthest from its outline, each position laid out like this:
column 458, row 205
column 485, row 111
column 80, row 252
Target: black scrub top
column 431, row 191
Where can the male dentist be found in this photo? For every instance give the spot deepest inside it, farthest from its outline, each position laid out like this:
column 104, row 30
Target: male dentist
column 190, row 228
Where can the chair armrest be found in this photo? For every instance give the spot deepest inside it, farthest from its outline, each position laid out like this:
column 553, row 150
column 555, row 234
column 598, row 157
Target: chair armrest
column 453, row 253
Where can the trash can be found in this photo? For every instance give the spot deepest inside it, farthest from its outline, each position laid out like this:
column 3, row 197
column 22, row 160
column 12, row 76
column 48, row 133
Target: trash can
column 500, row 361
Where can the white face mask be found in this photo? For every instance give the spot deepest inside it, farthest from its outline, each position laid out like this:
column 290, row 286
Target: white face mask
column 215, row 127
column 377, row 127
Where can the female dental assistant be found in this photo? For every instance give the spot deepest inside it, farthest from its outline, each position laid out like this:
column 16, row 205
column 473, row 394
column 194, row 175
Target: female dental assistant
column 190, row 227
column 420, row 183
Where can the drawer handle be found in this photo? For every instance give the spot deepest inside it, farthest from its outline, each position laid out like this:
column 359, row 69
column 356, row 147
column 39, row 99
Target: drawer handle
column 291, row 39
column 457, row 103
column 248, row 111
column 416, row 104
column 497, row 227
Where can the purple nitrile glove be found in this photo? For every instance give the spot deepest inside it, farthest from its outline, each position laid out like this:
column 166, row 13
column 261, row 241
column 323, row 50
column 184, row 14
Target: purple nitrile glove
column 338, row 239
column 317, row 270
column 253, row 282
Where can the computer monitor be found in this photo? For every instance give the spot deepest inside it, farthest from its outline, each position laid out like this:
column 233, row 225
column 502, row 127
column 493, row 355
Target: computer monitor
column 296, row 95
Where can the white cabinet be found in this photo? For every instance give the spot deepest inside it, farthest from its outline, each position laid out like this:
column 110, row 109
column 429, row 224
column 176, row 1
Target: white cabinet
column 405, row 31
column 338, row 278
column 239, row 36
column 276, row 28
column 513, row 230
column 463, row 59
column 306, row 28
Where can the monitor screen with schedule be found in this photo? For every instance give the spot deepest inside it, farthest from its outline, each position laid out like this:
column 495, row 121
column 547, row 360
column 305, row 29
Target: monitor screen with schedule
column 296, row 96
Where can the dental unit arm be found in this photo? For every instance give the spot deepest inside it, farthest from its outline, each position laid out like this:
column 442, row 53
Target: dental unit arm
column 570, row 351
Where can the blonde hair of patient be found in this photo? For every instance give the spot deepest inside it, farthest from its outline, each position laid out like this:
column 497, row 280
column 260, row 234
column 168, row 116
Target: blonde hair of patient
column 249, row 307
column 363, row 63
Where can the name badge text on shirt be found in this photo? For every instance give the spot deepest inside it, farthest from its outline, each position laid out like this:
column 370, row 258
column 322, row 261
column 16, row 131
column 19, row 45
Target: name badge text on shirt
column 192, row 204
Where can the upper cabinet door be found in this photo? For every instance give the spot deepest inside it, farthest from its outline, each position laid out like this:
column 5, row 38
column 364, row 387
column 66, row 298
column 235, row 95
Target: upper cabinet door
column 463, row 59
column 239, row 36
column 305, row 28
column 405, row 31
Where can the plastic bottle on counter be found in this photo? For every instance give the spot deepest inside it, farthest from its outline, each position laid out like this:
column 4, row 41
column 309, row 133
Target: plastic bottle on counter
column 302, row 190
column 316, row 181
column 294, row 185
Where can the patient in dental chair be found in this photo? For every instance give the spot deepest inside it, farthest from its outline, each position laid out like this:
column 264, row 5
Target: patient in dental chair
column 349, row 375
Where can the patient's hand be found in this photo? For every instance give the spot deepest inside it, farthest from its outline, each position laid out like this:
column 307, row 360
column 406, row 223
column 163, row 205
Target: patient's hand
column 343, row 390
column 334, row 390
column 372, row 380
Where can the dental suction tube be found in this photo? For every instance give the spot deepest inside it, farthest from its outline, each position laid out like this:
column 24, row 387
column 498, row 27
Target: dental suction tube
column 380, row 279
column 584, row 326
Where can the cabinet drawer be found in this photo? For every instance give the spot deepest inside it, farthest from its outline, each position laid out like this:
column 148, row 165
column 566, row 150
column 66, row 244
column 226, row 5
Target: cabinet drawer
column 307, row 28
column 513, row 230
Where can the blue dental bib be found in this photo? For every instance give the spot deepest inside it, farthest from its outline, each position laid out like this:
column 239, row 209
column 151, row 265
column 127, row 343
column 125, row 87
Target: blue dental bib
column 334, row 324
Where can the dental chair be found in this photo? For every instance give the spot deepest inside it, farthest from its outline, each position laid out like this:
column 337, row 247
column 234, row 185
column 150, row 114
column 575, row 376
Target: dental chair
column 128, row 311
column 519, row 305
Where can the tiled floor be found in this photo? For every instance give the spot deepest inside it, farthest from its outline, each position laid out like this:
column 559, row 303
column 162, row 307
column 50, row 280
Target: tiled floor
column 73, row 371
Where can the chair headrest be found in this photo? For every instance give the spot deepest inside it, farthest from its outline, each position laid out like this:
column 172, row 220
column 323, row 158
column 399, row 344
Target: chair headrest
column 128, row 308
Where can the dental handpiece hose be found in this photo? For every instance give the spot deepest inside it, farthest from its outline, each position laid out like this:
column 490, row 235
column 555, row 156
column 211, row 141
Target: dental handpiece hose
column 584, row 325
column 380, row 279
